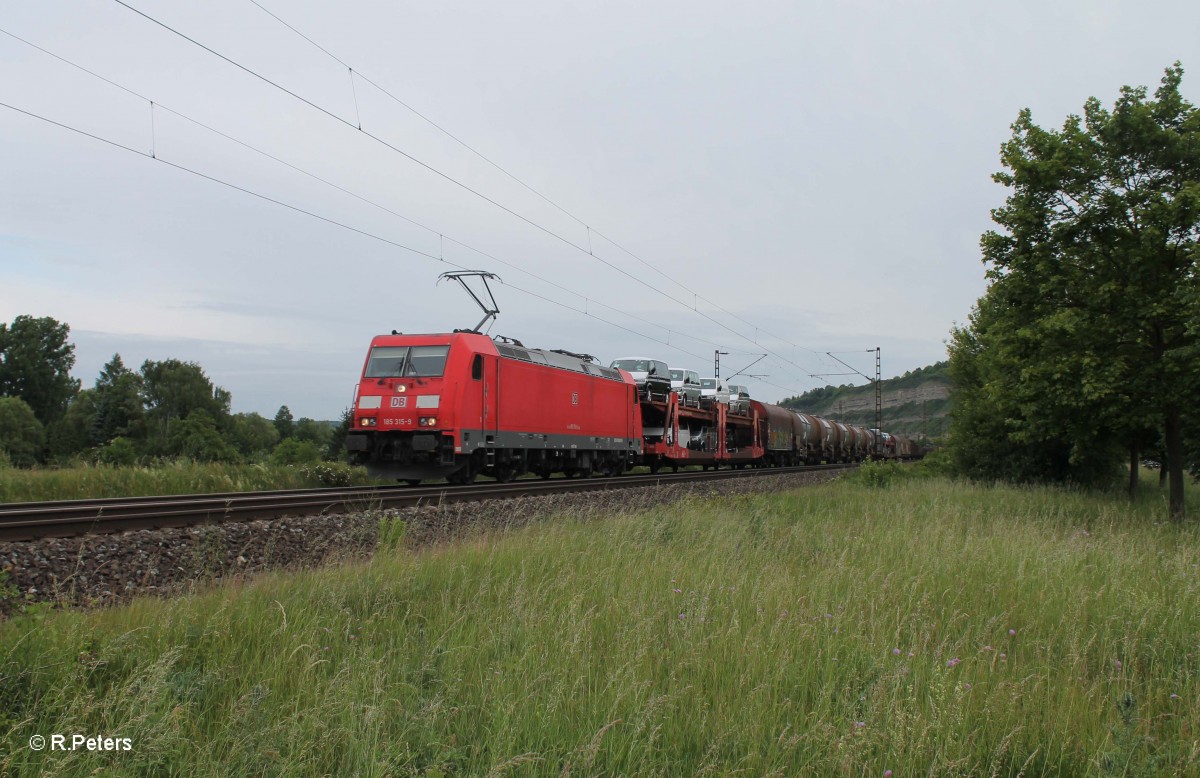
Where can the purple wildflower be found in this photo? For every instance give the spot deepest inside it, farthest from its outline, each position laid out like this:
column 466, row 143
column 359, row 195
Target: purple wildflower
column 895, row 652
column 887, row 774
column 952, row 662
column 1012, row 632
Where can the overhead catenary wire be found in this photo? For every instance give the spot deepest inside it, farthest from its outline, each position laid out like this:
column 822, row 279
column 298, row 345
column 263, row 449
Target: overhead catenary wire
column 328, row 220
column 527, row 186
column 441, row 236
column 475, row 192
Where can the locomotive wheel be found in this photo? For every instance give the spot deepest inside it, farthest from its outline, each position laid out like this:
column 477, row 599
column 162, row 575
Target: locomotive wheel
column 654, row 467
column 464, row 476
column 413, row 481
column 506, row 472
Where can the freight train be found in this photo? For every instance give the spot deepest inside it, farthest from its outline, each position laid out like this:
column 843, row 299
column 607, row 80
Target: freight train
column 462, row 404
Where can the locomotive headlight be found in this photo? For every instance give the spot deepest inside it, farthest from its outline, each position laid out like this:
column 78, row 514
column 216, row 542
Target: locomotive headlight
column 366, row 421
column 427, row 421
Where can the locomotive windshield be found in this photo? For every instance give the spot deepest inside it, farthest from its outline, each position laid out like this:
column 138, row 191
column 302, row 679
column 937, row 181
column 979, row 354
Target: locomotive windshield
column 421, row 361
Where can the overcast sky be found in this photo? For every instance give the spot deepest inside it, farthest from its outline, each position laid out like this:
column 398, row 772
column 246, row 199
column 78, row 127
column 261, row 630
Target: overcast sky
column 782, row 178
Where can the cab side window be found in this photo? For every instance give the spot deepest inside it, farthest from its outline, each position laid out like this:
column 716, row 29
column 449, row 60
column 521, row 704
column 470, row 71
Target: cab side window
column 477, row 367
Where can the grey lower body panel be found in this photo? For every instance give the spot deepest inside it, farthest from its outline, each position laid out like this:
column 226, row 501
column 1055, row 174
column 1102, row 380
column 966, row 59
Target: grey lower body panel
column 477, row 439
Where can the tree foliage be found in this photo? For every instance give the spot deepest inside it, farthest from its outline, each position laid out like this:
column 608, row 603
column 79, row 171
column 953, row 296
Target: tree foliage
column 1086, row 346
column 168, row 408
column 119, row 408
column 35, row 364
column 172, row 390
column 21, row 434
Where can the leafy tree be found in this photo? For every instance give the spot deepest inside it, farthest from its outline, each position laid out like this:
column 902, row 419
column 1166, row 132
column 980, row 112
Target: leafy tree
column 196, row 437
column 21, row 434
column 335, row 451
column 317, row 432
column 1085, row 344
column 296, row 452
column 119, row 408
column 172, row 390
column 118, row 452
column 72, row 434
column 253, row 435
column 35, row 365
column 284, row 423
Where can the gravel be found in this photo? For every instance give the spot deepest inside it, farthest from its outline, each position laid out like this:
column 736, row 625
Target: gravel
column 97, row 570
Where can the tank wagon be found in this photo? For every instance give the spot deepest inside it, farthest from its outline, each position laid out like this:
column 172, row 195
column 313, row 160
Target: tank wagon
column 461, row 404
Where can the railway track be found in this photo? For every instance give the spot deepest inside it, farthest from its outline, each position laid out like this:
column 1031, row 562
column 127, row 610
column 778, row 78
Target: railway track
column 67, row 518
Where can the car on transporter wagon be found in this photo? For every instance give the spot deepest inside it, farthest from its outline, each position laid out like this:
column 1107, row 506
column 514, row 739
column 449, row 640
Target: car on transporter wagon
column 652, row 376
column 686, row 383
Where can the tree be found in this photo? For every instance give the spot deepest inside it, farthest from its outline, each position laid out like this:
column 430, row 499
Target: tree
column 35, row 365
column 197, row 438
column 317, row 432
column 254, row 435
column 172, row 390
column 21, row 434
column 335, row 451
column 72, row 434
column 296, row 452
column 1086, row 341
column 119, row 408
column 283, row 422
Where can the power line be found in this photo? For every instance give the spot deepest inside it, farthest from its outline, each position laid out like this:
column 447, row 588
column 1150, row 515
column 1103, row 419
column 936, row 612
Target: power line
column 527, row 186
column 357, row 196
column 484, row 197
column 330, row 221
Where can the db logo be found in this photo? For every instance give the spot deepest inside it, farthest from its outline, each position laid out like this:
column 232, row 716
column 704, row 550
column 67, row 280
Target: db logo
column 399, row 402
column 574, row 398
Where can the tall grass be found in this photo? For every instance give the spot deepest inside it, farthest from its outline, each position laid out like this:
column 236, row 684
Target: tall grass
column 94, row 481
column 925, row 627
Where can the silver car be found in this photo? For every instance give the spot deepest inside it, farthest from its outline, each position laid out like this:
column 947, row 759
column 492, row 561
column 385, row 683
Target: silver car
column 652, row 376
column 686, row 383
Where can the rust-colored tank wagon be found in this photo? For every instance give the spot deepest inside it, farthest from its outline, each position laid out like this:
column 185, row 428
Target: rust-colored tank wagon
column 828, row 439
column 844, row 442
column 813, row 438
column 802, row 430
column 780, row 433
column 864, row 442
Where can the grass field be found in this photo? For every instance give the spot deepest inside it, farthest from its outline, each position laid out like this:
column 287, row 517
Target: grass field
column 920, row 627
column 93, row 481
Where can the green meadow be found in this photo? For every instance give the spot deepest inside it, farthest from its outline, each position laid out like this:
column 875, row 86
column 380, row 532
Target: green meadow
column 83, row 482
column 879, row 623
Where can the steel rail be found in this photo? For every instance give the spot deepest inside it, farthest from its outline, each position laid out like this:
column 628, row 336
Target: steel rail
column 67, row 518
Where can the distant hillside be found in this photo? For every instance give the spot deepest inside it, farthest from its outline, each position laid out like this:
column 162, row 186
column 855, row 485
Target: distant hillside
column 914, row 404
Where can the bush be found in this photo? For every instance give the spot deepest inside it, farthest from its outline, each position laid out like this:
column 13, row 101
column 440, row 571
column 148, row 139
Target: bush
column 119, row 451
column 879, row 473
column 296, row 452
column 329, row 473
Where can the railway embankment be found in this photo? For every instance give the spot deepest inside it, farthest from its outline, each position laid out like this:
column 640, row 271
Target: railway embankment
column 103, row 569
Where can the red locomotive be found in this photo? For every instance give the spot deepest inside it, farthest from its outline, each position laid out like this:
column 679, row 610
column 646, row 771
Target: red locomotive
column 460, row 404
